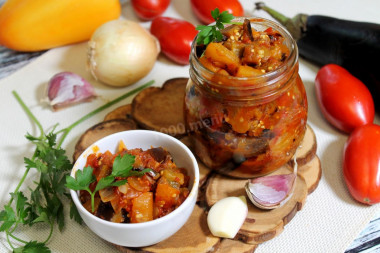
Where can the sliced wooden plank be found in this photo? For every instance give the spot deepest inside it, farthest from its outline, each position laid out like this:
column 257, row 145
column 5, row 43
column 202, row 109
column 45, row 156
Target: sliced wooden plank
column 193, row 237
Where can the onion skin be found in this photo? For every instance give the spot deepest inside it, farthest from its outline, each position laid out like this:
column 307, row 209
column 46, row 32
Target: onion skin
column 121, row 52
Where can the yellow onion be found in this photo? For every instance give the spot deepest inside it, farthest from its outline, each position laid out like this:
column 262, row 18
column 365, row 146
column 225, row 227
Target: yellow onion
column 121, row 52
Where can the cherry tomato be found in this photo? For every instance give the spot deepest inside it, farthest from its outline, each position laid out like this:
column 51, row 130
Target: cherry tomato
column 361, row 164
column 202, row 9
column 344, row 100
column 175, row 37
column 149, row 9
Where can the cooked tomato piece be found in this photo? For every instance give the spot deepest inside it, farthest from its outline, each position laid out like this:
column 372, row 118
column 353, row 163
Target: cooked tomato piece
column 142, row 208
column 166, row 195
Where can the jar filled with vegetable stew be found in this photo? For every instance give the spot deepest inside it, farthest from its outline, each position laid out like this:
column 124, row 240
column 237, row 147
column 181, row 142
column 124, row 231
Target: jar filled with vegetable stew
column 245, row 104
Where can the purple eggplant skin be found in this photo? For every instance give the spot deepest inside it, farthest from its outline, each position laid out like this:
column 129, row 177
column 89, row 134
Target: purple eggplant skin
column 322, row 40
column 350, row 44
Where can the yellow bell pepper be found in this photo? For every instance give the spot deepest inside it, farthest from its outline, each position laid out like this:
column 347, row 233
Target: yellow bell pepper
column 33, row 25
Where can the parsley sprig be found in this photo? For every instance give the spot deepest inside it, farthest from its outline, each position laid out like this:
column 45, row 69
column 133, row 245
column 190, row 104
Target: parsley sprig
column 45, row 204
column 209, row 33
column 122, row 167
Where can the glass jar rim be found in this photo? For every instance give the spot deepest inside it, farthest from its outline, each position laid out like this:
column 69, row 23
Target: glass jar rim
column 271, row 77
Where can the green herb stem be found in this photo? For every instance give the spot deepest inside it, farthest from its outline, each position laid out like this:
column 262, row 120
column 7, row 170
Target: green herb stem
column 16, row 238
column 19, row 184
column 92, row 200
column 9, row 241
column 109, row 104
column 28, row 112
column 50, row 233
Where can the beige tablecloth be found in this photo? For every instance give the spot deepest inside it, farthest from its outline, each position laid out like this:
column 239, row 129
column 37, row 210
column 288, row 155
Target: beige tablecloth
column 330, row 219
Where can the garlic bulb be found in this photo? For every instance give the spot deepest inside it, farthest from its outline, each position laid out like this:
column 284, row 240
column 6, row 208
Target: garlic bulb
column 121, row 52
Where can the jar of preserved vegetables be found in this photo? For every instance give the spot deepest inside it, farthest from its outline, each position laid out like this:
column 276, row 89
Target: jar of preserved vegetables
column 245, row 104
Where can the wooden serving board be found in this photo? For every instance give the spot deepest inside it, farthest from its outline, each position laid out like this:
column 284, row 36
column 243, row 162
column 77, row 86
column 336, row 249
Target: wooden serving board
column 259, row 226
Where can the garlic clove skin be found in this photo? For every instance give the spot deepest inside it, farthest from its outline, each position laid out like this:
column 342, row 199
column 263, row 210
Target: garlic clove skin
column 270, row 192
column 67, row 88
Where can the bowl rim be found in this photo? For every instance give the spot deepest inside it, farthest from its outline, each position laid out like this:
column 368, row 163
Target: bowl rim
column 158, row 221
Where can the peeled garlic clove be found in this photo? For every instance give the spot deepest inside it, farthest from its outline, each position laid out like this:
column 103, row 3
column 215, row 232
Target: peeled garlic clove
column 67, row 88
column 227, row 216
column 269, row 192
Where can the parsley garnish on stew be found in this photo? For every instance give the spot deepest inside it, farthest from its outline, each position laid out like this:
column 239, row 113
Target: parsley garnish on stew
column 210, row 33
column 122, row 167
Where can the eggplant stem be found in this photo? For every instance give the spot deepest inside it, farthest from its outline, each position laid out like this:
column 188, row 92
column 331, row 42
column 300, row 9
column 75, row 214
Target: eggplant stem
column 275, row 14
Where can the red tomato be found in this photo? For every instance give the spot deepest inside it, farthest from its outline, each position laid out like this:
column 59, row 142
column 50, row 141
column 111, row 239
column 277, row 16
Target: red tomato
column 175, row 37
column 344, row 100
column 202, row 8
column 149, row 9
column 361, row 164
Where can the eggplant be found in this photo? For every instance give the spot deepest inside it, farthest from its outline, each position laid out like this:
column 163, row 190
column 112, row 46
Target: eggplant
column 322, row 40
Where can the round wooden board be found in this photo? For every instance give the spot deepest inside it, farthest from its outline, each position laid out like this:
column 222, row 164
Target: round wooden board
column 232, row 246
column 260, row 225
column 193, row 237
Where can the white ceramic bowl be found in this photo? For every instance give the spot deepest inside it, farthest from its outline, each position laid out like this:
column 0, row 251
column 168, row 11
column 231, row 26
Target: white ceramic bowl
column 151, row 232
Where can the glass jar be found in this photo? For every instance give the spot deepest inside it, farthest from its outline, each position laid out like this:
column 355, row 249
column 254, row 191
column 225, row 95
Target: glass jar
column 246, row 127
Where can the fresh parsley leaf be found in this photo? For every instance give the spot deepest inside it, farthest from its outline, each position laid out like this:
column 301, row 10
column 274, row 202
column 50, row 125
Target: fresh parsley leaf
column 122, row 165
column 83, row 178
column 138, row 173
column 107, row 182
column 42, row 218
column 210, row 33
column 33, row 247
column 8, row 217
column 104, row 182
column 225, row 17
column 21, row 204
column 74, row 214
column 215, row 14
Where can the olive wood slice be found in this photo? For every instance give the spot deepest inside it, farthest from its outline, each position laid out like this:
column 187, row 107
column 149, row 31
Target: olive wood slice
column 161, row 109
column 122, row 112
column 204, row 171
column 307, row 149
column 311, row 172
column 231, row 246
column 260, row 225
column 193, row 237
column 99, row 131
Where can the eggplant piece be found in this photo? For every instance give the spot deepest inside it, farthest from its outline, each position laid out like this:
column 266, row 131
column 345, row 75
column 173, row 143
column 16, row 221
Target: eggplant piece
column 322, row 40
